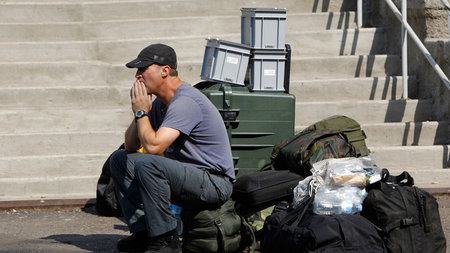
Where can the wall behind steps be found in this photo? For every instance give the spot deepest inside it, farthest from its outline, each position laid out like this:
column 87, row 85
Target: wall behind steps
column 429, row 20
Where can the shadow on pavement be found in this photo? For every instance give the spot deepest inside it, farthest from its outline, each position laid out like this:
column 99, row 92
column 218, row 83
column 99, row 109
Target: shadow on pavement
column 91, row 243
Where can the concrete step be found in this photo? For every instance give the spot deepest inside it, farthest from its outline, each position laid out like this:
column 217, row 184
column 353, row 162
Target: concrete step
column 72, row 143
column 49, row 51
column 367, row 112
column 16, row 74
column 157, row 27
column 340, row 67
column 412, row 157
column 302, row 68
column 427, row 178
column 49, row 120
column 161, row 9
column 52, row 165
column 425, row 133
column 65, row 96
column 48, row 187
column 370, row 88
column 25, row 11
column 339, row 42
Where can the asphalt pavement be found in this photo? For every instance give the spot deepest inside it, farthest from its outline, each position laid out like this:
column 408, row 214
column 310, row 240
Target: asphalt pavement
column 75, row 229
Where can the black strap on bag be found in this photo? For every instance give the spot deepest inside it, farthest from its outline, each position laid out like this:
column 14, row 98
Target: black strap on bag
column 399, row 180
column 295, row 216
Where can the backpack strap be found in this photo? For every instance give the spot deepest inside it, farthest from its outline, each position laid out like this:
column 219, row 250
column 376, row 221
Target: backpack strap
column 221, row 245
column 405, row 222
column 422, row 210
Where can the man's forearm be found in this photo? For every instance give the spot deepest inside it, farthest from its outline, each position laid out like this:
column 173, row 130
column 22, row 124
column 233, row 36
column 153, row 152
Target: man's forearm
column 132, row 142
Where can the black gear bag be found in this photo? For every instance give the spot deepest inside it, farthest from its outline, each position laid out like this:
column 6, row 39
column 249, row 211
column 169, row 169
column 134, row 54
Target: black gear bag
column 408, row 216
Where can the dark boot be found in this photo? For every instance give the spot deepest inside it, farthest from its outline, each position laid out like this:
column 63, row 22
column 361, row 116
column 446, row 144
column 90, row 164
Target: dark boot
column 167, row 243
column 137, row 242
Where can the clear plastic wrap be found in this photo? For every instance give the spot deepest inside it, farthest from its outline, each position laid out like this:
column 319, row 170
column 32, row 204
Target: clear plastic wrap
column 303, row 191
column 331, row 199
column 338, row 184
column 349, row 171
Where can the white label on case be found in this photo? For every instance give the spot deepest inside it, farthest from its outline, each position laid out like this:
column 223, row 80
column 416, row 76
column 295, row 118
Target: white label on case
column 269, row 72
column 232, row 60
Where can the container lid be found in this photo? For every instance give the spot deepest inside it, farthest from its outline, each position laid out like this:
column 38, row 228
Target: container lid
column 264, row 10
column 228, row 43
column 269, row 55
column 269, row 51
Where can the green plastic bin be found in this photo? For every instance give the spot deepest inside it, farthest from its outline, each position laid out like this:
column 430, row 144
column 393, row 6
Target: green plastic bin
column 255, row 121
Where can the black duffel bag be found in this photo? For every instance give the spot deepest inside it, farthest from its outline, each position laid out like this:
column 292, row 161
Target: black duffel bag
column 301, row 231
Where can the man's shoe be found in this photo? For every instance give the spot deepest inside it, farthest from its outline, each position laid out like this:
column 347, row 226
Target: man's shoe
column 167, row 243
column 137, row 242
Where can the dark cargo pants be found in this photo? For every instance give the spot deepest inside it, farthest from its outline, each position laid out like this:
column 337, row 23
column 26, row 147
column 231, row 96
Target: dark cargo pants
column 147, row 184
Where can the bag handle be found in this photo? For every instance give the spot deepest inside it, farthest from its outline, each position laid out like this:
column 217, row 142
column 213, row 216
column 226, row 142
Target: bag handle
column 294, row 214
column 305, row 208
column 387, row 178
column 300, row 210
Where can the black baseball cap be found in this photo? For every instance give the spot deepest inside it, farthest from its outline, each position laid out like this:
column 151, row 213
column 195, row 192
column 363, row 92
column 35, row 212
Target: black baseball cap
column 156, row 53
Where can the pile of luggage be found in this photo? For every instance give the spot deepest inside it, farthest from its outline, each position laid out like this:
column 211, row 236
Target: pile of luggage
column 322, row 192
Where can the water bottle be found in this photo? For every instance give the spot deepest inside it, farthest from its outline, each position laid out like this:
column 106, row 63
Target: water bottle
column 346, row 207
column 325, row 208
column 176, row 210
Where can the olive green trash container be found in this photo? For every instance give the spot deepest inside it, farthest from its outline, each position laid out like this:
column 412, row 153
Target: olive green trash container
column 255, row 121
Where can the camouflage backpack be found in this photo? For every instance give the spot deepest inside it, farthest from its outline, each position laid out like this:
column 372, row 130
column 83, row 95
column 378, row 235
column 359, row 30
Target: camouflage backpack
column 346, row 125
column 301, row 151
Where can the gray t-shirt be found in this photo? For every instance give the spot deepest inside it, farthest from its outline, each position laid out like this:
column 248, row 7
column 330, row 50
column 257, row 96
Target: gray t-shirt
column 203, row 141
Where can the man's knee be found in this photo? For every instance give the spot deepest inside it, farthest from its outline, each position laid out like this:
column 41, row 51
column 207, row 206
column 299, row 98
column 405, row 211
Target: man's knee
column 147, row 164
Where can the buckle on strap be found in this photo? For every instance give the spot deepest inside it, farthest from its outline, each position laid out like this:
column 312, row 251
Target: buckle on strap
column 218, row 222
column 407, row 222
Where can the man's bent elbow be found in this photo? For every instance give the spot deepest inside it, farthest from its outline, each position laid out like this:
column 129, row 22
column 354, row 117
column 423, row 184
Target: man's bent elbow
column 154, row 149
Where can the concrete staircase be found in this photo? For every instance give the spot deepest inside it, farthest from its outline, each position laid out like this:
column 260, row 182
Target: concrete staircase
column 64, row 103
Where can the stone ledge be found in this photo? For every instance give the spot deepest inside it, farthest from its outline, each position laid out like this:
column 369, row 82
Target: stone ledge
column 45, row 203
column 80, row 203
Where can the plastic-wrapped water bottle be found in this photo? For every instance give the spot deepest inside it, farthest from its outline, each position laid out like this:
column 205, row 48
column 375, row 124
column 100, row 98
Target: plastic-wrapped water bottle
column 176, row 210
column 346, row 207
column 338, row 200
